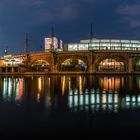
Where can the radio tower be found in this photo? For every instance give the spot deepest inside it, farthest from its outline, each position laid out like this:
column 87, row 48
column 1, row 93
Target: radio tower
column 26, row 44
column 91, row 36
column 91, row 32
column 52, row 35
column 26, row 49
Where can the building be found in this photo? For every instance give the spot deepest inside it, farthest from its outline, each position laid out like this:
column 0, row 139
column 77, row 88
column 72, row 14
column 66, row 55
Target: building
column 53, row 43
column 105, row 44
column 11, row 60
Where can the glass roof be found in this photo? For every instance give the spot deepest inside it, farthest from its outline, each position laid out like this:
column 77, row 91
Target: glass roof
column 109, row 40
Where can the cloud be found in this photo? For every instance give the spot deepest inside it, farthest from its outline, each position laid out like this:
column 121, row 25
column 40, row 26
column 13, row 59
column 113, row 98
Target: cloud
column 36, row 16
column 41, row 11
column 130, row 14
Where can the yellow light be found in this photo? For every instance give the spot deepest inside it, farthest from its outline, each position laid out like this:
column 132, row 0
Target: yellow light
column 39, row 89
column 39, row 84
column 80, row 84
column 63, row 84
column 69, row 84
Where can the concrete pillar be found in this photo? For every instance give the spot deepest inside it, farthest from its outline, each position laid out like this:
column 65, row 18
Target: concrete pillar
column 130, row 66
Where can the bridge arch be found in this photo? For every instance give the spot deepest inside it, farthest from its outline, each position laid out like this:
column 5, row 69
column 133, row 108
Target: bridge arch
column 111, row 63
column 136, row 64
column 72, row 64
column 41, row 65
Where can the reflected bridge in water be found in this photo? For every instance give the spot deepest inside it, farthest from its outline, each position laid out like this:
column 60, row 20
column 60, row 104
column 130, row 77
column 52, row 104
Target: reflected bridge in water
column 73, row 93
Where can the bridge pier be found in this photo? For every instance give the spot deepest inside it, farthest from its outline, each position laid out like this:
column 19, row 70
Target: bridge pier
column 94, row 67
column 130, row 65
column 90, row 68
column 54, row 68
column 91, row 64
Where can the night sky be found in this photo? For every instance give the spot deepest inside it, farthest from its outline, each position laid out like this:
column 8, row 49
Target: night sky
column 71, row 19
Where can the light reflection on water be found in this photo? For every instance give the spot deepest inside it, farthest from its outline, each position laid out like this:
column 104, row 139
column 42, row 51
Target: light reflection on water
column 12, row 89
column 75, row 93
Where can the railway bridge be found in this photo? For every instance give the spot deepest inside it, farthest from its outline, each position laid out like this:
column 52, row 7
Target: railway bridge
column 87, row 61
column 94, row 56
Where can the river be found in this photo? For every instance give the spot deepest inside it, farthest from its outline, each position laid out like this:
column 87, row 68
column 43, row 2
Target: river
column 69, row 104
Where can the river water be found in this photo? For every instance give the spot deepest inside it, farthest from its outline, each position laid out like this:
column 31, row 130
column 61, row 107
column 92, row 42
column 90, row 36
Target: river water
column 69, row 104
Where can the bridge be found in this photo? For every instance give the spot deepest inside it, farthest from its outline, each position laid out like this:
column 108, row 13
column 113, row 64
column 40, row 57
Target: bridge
column 67, row 62
column 94, row 56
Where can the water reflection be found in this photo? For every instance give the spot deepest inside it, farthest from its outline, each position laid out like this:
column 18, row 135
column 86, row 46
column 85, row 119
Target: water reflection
column 39, row 89
column 111, row 83
column 19, row 89
column 94, row 102
column 73, row 93
column 12, row 89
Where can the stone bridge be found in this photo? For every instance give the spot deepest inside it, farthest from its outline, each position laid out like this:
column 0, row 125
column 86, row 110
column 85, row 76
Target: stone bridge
column 129, row 59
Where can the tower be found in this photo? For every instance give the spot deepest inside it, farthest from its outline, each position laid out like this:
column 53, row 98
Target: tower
column 26, row 50
column 91, row 32
column 52, row 37
column 26, row 44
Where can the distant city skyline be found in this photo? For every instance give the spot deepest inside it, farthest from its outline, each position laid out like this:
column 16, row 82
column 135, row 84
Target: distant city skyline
column 71, row 19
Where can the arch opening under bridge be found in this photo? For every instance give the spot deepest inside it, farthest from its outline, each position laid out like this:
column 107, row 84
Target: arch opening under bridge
column 41, row 65
column 136, row 65
column 111, row 64
column 73, row 64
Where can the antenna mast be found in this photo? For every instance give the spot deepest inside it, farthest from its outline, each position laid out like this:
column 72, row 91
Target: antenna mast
column 91, row 35
column 91, row 32
column 52, row 35
column 26, row 44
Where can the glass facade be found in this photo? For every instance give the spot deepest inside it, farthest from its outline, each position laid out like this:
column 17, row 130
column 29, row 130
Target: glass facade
column 104, row 44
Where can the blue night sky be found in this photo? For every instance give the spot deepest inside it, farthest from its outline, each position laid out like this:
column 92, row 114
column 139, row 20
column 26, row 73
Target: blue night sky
column 71, row 19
